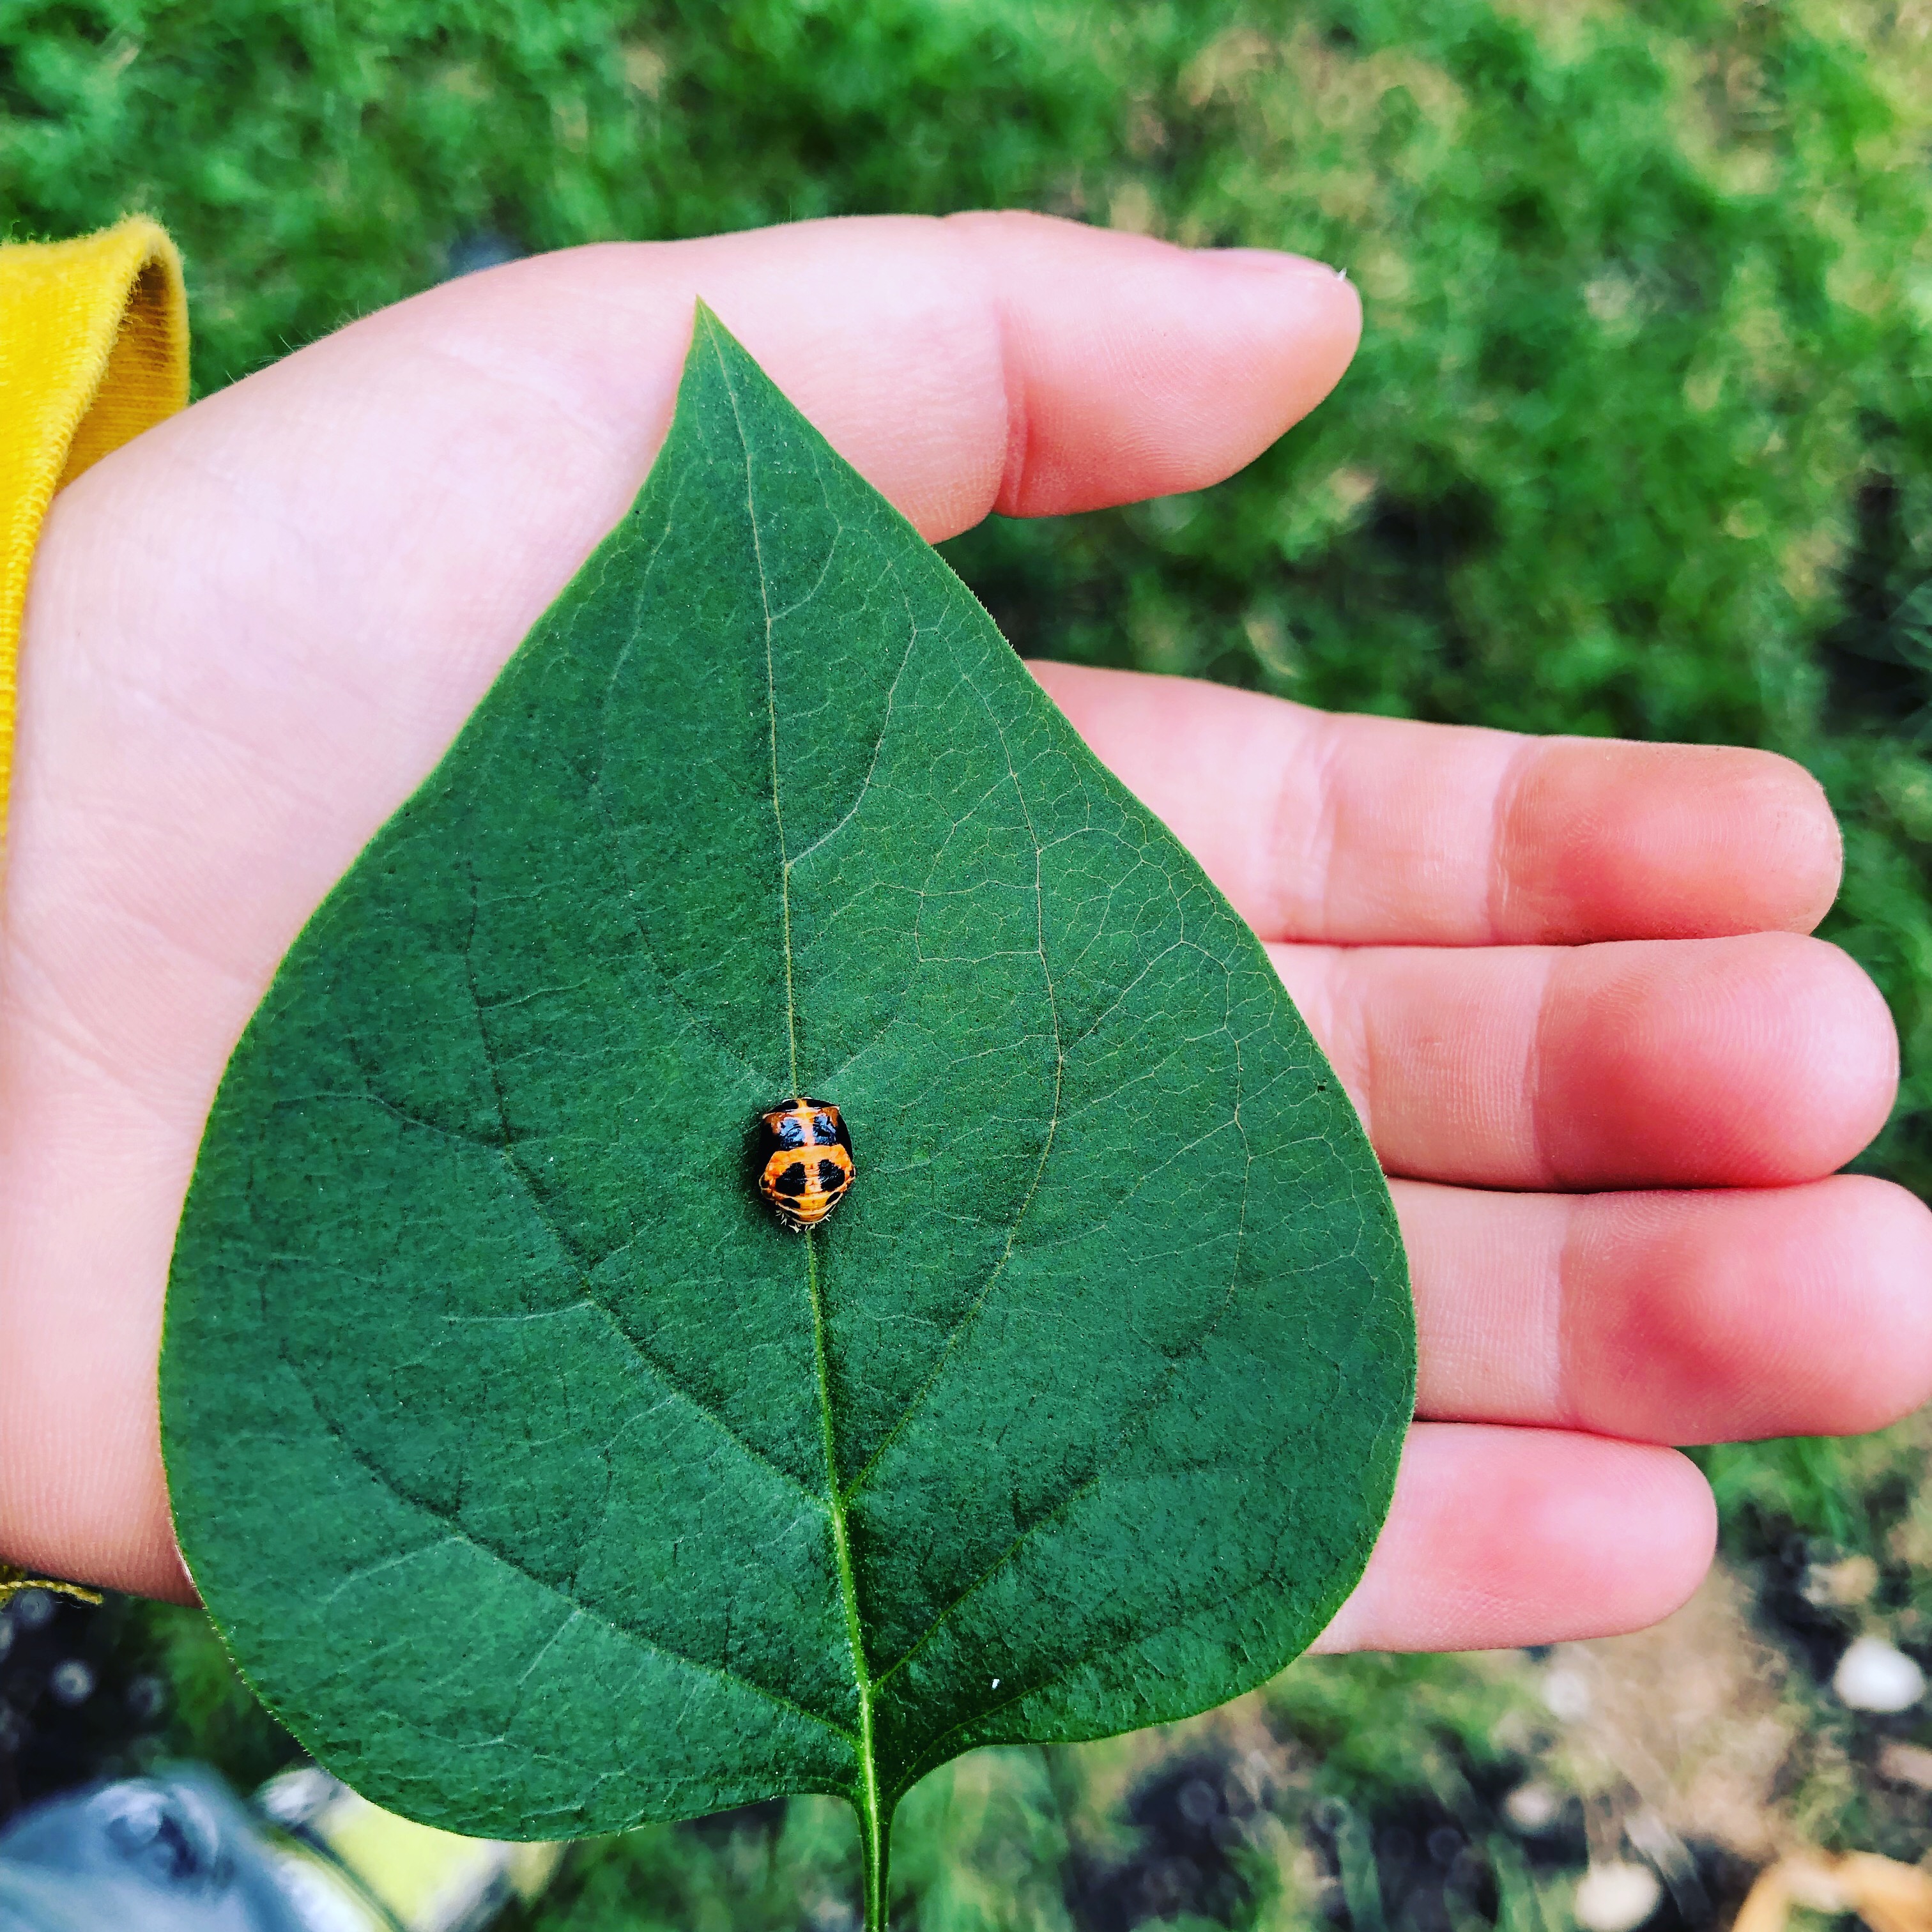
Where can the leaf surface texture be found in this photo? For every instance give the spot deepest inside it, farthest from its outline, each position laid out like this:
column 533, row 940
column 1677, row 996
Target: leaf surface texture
column 535, row 1476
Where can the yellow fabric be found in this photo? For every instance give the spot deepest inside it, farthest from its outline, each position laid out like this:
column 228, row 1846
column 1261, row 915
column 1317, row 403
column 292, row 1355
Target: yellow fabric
column 93, row 350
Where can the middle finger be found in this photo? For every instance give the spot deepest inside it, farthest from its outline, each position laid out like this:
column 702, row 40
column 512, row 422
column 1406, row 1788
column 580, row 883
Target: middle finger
column 1750, row 1061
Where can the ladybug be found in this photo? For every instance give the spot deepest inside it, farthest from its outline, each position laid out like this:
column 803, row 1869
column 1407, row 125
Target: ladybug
column 805, row 1161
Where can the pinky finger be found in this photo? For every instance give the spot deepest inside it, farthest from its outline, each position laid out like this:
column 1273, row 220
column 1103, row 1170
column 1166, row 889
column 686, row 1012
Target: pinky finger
column 1501, row 1536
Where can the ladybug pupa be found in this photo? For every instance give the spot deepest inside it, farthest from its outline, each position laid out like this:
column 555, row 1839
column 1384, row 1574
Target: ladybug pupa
column 805, row 1161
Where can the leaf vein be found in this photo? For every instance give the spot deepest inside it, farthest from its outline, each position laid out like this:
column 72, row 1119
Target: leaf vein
column 454, row 1532
column 971, row 1313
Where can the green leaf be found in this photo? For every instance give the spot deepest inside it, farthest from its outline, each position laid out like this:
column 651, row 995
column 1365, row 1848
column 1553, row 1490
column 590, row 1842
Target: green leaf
column 538, row 1481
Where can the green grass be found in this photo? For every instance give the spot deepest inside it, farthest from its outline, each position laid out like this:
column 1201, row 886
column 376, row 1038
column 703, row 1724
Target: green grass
column 1639, row 441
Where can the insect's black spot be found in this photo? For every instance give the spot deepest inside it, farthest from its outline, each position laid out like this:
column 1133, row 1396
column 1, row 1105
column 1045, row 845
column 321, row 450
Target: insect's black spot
column 792, row 1180
column 824, row 1131
column 791, row 1132
column 831, row 1176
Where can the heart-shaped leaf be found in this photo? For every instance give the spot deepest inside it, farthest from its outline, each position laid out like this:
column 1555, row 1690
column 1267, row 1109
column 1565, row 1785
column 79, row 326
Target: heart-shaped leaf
column 537, row 1478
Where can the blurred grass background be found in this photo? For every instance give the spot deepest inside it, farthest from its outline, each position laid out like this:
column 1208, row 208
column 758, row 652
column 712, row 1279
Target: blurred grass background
column 1639, row 441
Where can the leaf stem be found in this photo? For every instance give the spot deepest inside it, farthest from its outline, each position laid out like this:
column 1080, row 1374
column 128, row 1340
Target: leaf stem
column 875, row 1847
column 874, row 1821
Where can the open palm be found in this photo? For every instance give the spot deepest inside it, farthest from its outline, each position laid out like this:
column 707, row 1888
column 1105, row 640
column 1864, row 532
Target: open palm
column 1567, row 982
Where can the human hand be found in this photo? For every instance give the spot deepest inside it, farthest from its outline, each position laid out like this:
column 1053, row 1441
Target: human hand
column 1540, row 966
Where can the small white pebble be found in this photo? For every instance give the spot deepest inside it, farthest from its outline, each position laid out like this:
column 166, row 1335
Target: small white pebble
column 1616, row 1897
column 1566, row 1694
column 1875, row 1676
column 1531, row 1808
column 71, row 1682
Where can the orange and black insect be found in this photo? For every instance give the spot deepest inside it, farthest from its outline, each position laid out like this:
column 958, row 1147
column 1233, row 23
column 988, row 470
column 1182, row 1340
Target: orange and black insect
column 805, row 1161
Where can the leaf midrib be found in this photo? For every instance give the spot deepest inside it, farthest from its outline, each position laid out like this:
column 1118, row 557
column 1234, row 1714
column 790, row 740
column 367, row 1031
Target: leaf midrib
column 839, row 1495
column 869, row 1803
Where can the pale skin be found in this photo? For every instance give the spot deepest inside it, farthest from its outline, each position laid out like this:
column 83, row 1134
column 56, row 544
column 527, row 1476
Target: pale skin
column 1569, row 984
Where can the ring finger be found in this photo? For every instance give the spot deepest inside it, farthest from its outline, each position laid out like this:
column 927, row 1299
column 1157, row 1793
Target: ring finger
column 1673, row 1317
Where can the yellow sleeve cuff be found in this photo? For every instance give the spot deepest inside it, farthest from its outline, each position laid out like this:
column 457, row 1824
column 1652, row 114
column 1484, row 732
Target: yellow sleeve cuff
column 93, row 350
